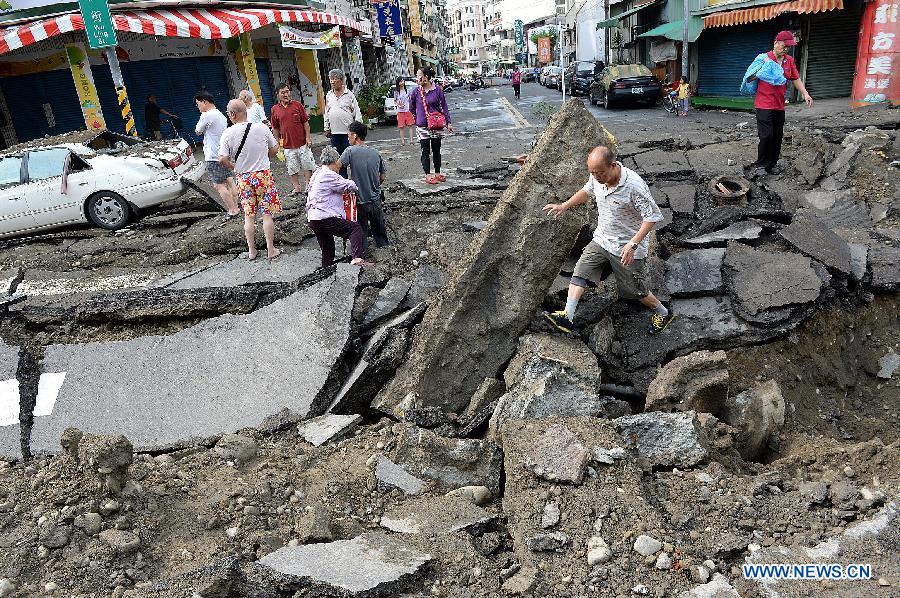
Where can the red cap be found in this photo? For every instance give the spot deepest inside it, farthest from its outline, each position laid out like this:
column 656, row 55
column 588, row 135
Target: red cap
column 787, row 37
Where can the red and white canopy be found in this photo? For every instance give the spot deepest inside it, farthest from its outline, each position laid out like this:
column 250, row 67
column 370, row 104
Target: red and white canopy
column 769, row 12
column 193, row 22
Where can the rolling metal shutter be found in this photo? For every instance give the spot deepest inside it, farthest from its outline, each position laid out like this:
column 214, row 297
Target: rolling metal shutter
column 265, row 84
column 726, row 52
column 26, row 95
column 831, row 53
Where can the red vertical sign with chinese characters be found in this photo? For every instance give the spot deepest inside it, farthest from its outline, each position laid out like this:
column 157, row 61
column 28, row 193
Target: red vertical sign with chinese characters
column 544, row 50
column 877, row 78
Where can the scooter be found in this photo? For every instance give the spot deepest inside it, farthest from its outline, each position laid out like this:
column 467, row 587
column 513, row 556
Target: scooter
column 477, row 83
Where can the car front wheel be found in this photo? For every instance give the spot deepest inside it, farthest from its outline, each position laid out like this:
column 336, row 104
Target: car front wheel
column 108, row 210
column 606, row 102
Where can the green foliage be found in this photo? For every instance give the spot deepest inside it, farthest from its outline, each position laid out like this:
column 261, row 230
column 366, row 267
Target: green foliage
column 371, row 99
column 551, row 33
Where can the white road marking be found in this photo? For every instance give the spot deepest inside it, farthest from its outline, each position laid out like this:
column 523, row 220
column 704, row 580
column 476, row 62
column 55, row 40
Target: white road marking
column 48, row 391
column 9, row 402
column 517, row 116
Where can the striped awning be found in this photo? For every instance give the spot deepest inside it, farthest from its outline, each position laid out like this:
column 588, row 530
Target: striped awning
column 767, row 13
column 199, row 23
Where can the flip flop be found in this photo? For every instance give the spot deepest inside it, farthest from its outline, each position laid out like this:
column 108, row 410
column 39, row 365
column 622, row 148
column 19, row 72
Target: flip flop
column 431, row 180
column 276, row 256
column 250, row 258
column 441, row 177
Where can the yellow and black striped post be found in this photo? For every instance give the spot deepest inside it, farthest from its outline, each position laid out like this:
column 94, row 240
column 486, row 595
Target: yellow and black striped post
column 121, row 92
column 125, row 107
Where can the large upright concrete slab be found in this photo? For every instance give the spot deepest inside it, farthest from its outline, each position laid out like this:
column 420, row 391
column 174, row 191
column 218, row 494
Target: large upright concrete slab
column 287, row 268
column 224, row 374
column 470, row 331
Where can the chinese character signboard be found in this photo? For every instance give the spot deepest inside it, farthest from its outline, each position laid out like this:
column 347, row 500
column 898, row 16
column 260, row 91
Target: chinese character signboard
column 520, row 39
column 878, row 56
column 98, row 24
column 415, row 19
column 389, row 24
column 544, row 50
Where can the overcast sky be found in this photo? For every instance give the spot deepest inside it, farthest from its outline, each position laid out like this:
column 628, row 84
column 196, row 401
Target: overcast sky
column 527, row 10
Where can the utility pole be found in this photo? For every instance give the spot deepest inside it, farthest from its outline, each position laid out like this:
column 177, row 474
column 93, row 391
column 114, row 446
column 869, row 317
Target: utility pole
column 684, row 38
column 562, row 62
column 121, row 92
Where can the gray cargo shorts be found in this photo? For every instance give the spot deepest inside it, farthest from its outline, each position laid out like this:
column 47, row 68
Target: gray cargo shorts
column 596, row 264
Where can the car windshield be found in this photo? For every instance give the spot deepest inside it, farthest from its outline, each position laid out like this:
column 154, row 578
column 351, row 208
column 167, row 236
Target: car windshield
column 9, row 170
column 585, row 69
column 45, row 164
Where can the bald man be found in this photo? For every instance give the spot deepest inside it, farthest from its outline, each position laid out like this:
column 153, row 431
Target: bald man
column 626, row 213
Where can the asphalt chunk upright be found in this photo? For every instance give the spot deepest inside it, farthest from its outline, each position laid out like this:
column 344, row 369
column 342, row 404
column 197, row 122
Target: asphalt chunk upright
column 222, row 375
column 10, row 432
column 471, row 329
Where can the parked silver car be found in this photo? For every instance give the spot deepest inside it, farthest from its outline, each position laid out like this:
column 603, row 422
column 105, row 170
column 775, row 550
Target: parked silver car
column 105, row 180
column 390, row 107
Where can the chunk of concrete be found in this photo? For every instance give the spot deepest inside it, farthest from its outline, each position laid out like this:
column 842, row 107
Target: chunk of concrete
column 454, row 183
column 391, row 475
column 104, row 459
column 388, row 301
column 10, row 434
column 236, row 447
column 887, row 365
column 138, row 387
column 426, row 281
column 662, row 162
column 757, row 413
column 548, row 542
column 738, row 231
column 884, row 264
column 717, row 588
column 319, row 430
column 558, row 456
column 314, row 525
column 812, row 237
column 859, row 253
column 694, row 382
column 549, row 375
column 463, row 339
column 665, row 439
column 123, row 543
column 682, row 198
column 369, row 564
column 765, row 280
column 381, row 355
column 695, row 272
column 522, row 583
column 449, row 462
column 481, row 406
column 434, row 516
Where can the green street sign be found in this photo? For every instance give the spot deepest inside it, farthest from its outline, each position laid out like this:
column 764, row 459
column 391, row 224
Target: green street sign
column 98, row 23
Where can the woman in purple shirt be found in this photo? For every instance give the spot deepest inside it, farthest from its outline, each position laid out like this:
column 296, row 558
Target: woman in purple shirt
column 429, row 99
column 325, row 209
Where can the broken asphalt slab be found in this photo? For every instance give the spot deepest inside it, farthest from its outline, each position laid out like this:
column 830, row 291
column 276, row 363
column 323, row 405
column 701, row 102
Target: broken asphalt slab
column 287, row 268
column 695, row 272
column 455, row 182
column 10, row 434
column 219, row 376
column 462, row 339
column 434, row 516
column 371, row 564
column 319, row 430
column 812, row 237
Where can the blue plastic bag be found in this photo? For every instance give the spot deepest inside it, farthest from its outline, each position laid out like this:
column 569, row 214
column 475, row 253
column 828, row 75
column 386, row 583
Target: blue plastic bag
column 766, row 70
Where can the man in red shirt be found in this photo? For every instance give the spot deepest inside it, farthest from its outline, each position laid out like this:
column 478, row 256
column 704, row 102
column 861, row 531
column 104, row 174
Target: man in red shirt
column 291, row 126
column 769, row 104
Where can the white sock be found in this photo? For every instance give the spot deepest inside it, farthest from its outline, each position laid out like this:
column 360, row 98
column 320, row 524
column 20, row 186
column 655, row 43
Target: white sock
column 661, row 310
column 571, row 306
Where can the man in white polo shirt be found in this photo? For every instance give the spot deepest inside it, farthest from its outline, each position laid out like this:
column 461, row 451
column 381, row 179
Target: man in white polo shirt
column 626, row 213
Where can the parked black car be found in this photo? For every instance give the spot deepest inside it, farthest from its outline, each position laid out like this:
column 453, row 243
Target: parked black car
column 579, row 76
column 626, row 84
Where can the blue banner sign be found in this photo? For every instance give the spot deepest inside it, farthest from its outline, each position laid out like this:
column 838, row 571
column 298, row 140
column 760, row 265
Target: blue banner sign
column 389, row 22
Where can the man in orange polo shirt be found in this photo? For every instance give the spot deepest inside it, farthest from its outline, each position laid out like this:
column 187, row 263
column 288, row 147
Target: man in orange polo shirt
column 769, row 104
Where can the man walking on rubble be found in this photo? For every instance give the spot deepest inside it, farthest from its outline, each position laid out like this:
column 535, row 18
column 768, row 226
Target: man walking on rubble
column 626, row 213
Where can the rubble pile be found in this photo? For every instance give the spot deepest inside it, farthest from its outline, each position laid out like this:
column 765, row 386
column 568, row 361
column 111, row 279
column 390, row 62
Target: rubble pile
column 416, row 429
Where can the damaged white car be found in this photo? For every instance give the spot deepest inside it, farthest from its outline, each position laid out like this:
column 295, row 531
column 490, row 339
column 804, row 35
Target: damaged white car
column 106, row 180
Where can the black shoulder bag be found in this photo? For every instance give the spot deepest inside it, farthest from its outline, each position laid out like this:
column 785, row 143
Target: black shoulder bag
column 243, row 141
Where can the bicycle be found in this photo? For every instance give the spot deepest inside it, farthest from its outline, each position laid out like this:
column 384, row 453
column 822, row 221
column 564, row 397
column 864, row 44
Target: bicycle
column 670, row 102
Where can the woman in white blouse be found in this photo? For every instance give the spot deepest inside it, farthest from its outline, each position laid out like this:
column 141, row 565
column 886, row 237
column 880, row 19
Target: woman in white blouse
column 255, row 112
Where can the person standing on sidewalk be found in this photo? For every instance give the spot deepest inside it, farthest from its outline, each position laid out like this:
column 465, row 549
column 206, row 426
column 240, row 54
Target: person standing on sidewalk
column 404, row 116
column 211, row 126
column 152, row 121
column 325, row 209
column 517, row 82
column 429, row 109
column 626, row 213
column 341, row 109
column 246, row 148
column 769, row 105
column 255, row 111
column 367, row 171
column 290, row 124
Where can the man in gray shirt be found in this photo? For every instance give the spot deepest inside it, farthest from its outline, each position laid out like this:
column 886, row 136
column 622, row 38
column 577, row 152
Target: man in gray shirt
column 367, row 171
column 626, row 213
